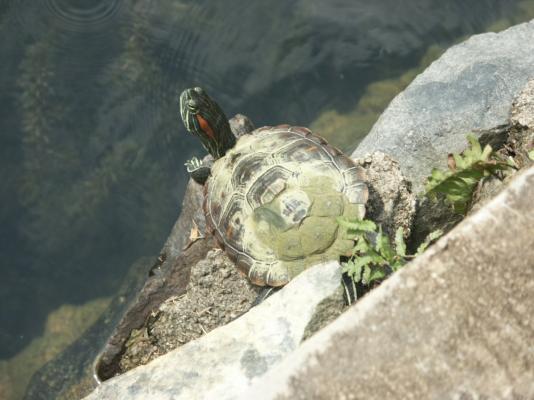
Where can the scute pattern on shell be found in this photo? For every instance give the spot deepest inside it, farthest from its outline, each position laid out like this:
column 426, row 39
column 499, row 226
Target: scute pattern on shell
column 273, row 200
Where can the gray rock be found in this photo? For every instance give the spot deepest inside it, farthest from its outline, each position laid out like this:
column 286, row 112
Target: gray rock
column 523, row 107
column 222, row 363
column 391, row 201
column 325, row 312
column 456, row 323
column 470, row 88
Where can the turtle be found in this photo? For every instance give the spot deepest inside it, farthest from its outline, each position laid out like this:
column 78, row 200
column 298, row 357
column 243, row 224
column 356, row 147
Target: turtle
column 272, row 196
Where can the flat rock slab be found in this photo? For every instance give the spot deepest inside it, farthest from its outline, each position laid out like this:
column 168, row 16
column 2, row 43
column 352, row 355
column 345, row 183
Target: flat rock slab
column 221, row 364
column 457, row 323
column 470, row 87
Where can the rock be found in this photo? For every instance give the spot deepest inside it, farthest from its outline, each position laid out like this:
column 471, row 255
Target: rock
column 519, row 141
column 222, row 363
column 455, row 323
column 523, row 107
column 511, row 141
column 191, row 215
column 470, row 88
column 391, row 201
column 326, row 311
column 217, row 293
column 171, row 281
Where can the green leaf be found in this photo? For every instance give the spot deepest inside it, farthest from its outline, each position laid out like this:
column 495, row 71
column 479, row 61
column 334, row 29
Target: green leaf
column 429, row 239
column 475, row 144
column 383, row 247
column 362, row 261
column 358, row 225
column 398, row 264
column 486, row 153
column 366, row 275
column 459, row 162
column 376, row 274
column 531, row 154
column 459, row 182
column 400, row 246
column 353, row 270
column 377, row 258
column 354, row 267
column 362, row 246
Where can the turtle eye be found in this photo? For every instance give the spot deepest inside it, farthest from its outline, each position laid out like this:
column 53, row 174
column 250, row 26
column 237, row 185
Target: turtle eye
column 199, row 90
column 192, row 105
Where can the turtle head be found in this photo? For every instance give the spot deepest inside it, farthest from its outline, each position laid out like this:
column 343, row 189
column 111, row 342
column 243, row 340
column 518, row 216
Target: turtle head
column 204, row 118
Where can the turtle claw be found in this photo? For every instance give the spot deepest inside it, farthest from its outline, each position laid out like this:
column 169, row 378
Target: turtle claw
column 193, row 164
column 198, row 170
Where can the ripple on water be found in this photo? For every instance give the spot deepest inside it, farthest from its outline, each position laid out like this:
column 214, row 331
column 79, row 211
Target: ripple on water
column 36, row 16
column 84, row 16
column 64, row 24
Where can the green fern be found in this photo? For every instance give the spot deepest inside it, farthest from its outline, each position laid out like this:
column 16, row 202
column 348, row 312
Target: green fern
column 373, row 256
column 466, row 170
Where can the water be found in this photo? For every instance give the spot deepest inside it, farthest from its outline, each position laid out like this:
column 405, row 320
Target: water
column 91, row 145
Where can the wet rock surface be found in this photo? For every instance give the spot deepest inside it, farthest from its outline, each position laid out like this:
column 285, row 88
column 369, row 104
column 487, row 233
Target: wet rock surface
column 217, row 293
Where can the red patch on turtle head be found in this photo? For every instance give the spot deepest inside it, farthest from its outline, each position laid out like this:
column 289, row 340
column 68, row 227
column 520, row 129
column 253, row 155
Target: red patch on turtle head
column 205, row 126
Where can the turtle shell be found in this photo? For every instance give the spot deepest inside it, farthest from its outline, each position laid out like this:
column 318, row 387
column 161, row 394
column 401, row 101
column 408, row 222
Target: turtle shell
column 273, row 199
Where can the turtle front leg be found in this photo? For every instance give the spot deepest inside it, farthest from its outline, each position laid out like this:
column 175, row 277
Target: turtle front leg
column 199, row 170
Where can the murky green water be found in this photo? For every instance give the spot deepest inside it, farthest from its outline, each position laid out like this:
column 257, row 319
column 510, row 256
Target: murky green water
column 91, row 145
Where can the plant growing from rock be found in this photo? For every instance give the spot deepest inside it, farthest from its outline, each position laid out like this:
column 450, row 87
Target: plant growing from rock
column 374, row 257
column 466, row 170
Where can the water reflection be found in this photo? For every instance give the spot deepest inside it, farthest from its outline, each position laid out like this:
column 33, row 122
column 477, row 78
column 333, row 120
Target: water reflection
column 91, row 146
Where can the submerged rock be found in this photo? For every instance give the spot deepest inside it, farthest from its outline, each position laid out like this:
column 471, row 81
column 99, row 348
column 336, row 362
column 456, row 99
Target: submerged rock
column 70, row 375
column 63, row 327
